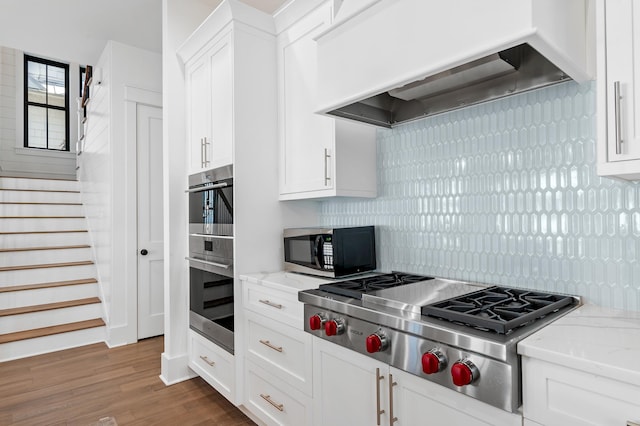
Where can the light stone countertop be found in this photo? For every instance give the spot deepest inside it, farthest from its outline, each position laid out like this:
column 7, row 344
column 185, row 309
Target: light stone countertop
column 596, row 340
column 285, row 281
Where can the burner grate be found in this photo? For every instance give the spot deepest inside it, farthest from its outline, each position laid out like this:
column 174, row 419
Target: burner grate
column 499, row 309
column 355, row 287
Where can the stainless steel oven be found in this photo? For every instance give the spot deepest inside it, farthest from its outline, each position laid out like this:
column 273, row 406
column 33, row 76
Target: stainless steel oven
column 211, row 295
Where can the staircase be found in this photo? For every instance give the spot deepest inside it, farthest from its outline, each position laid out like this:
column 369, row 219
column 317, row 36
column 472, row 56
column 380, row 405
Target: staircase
column 48, row 290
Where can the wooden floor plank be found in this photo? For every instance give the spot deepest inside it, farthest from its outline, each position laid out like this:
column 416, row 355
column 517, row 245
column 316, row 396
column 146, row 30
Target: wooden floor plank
column 79, row 386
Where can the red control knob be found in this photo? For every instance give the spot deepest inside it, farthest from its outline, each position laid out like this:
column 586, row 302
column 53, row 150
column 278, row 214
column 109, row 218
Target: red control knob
column 316, row 322
column 333, row 327
column 376, row 342
column 463, row 373
column 433, row 361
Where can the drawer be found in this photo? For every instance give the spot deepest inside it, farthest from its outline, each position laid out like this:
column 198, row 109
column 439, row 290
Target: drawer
column 273, row 401
column 276, row 304
column 557, row 395
column 280, row 349
column 215, row 365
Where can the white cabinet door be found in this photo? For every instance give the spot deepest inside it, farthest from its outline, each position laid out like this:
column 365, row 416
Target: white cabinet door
column 219, row 150
column 319, row 157
column 209, row 87
column 348, row 387
column 416, row 400
column 618, row 88
column 198, row 105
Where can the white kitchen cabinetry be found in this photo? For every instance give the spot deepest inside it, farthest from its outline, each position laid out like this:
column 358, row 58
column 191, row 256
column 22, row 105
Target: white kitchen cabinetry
column 353, row 389
column 618, row 88
column 277, row 356
column 209, row 82
column 558, row 395
column 212, row 363
column 319, row 156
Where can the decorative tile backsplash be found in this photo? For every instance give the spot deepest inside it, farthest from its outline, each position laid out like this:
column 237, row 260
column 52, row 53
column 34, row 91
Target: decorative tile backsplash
column 506, row 193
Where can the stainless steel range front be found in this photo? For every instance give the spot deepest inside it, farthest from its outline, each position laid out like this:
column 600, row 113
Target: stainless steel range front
column 460, row 335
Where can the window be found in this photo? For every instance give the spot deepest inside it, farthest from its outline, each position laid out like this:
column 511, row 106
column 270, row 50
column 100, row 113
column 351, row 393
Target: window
column 46, row 105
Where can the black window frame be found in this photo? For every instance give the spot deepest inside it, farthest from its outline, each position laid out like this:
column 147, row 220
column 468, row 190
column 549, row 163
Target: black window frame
column 27, row 103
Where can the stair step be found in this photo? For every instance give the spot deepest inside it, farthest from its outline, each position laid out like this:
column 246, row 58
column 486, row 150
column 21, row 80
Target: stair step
column 45, row 265
column 40, row 223
column 17, row 196
column 34, row 184
column 18, row 249
column 39, row 275
column 74, row 191
column 52, row 284
column 42, row 232
column 19, row 257
column 39, row 209
column 51, row 330
column 48, row 306
column 52, row 343
column 32, row 239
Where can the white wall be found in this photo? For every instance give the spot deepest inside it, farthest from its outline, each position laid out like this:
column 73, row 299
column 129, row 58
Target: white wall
column 14, row 158
column 107, row 175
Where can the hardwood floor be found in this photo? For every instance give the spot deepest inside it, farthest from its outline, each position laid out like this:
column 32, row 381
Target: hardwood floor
column 82, row 385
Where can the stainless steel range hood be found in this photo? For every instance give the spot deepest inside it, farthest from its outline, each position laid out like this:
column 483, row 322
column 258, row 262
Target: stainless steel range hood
column 512, row 46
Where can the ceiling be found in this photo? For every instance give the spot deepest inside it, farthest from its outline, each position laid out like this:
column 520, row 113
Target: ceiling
column 77, row 30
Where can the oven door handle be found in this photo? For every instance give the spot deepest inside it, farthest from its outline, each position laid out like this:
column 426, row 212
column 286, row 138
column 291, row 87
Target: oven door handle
column 207, row 187
column 206, row 262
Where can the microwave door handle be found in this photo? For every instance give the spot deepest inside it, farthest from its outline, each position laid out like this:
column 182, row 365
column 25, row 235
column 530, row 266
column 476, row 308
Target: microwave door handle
column 206, row 262
column 207, row 187
column 318, row 251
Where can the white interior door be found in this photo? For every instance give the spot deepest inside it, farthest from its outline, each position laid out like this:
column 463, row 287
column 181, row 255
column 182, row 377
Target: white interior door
column 150, row 232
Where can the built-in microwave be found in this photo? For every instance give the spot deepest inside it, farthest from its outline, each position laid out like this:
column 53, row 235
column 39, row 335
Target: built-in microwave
column 330, row 252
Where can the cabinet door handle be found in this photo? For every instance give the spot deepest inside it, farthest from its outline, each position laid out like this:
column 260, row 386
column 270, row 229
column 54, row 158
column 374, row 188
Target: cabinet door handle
column 392, row 419
column 267, row 398
column 205, row 159
column 327, row 156
column 379, row 412
column 269, row 345
column 618, row 125
column 201, row 153
column 269, row 303
column 207, row 360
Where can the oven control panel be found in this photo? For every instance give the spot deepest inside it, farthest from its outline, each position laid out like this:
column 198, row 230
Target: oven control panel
column 467, row 372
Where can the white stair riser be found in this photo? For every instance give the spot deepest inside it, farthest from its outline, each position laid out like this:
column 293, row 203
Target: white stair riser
column 43, row 240
column 39, row 197
column 45, row 184
column 43, row 275
column 41, row 210
column 41, row 296
column 47, row 344
column 30, row 321
column 33, row 257
column 56, row 224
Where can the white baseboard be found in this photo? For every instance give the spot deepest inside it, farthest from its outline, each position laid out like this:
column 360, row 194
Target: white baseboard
column 175, row 370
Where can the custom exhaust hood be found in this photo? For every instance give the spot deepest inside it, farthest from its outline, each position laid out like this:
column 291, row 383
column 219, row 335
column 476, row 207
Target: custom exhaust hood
column 439, row 55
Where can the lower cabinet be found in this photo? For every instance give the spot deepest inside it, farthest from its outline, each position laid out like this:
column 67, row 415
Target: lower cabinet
column 352, row 389
column 215, row 365
column 558, row 395
column 272, row 400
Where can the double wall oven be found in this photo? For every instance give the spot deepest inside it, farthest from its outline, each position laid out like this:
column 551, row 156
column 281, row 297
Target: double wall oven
column 211, row 255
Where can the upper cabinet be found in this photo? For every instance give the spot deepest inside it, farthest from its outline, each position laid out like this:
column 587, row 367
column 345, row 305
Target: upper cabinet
column 319, row 156
column 618, row 57
column 208, row 83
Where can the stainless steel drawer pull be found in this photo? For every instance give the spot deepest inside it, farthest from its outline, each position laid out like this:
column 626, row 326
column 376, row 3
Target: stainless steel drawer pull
column 268, row 399
column 392, row 419
column 273, row 305
column 268, row 344
column 618, row 124
column 207, row 360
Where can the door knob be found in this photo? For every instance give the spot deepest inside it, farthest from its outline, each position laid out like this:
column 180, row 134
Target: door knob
column 144, row 252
